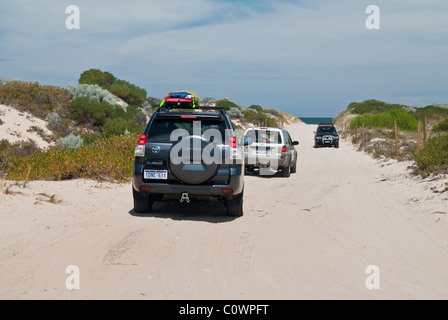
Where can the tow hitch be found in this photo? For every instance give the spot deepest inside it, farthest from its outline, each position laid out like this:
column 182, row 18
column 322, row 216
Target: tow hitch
column 185, row 197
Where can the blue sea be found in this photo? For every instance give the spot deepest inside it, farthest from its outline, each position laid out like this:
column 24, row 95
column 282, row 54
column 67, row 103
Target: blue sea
column 309, row 120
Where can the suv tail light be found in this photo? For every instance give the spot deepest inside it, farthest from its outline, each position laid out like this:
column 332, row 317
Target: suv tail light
column 232, row 142
column 284, row 150
column 140, row 148
column 142, row 139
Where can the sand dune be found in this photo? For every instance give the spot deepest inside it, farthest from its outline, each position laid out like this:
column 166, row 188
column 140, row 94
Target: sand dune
column 18, row 126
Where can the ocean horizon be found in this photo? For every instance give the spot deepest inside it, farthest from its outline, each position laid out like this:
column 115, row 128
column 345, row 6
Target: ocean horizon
column 316, row 120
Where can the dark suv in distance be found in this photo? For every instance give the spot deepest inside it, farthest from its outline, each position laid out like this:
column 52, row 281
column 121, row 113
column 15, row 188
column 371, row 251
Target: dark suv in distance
column 188, row 154
column 326, row 135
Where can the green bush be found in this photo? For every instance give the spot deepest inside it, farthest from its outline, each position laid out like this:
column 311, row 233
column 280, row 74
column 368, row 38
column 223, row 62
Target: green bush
column 256, row 107
column 250, row 115
column 105, row 159
column 153, row 102
column 130, row 93
column 235, row 113
column 224, row 103
column 405, row 120
column 89, row 137
column 275, row 113
column 433, row 158
column 19, row 148
column 57, row 124
column 70, row 142
column 98, row 77
column 34, row 98
column 119, row 126
column 207, row 101
column 91, row 112
column 372, row 106
column 442, row 126
column 432, row 112
column 91, row 91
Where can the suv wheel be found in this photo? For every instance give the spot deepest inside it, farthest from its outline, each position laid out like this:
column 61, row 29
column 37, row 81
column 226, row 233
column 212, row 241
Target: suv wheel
column 235, row 205
column 286, row 171
column 142, row 204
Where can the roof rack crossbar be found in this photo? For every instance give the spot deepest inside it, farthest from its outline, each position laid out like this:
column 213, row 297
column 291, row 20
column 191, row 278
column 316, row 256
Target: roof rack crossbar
column 168, row 108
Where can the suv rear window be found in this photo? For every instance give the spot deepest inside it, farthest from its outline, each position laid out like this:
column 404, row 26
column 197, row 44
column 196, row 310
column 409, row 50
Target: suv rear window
column 265, row 136
column 161, row 129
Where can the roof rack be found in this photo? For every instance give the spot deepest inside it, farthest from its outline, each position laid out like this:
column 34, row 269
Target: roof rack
column 326, row 124
column 197, row 108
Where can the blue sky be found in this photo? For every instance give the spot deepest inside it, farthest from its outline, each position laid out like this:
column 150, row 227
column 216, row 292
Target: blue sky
column 308, row 58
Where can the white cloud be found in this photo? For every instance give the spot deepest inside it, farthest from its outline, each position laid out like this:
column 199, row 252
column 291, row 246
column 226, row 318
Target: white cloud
column 224, row 48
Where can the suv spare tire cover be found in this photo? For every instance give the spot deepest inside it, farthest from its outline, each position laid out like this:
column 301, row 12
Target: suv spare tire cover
column 187, row 163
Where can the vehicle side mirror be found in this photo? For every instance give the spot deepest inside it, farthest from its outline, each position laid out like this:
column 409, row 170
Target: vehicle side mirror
column 295, row 143
column 314, row 131
column 247, row 141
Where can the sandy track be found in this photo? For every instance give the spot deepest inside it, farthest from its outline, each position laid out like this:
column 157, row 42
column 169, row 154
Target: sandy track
column 310, row 236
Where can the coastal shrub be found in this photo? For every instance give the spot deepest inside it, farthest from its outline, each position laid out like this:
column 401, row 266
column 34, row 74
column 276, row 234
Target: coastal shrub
column 372, row 106
column 224, row 103
column 57, row 124
column 433, row 158
column 207, row 101
column 235, row 113
column 153, row 103
column 89, row 136
column 432, row 112
column 98, row 77
column 92, row 112
column 258, row 118
column 405, row 120
column 105, row 159
column 256, row 107
column 34, row 98
column 70, row 142
column 91, row 91
column 21, row 148
column 442, row 126
column 129, row 92
column 275, row 113
column 54, row 119
column 119, row 126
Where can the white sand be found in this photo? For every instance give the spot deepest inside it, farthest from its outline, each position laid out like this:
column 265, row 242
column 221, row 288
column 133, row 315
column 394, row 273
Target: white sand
column 310, row 236
column 16, row 125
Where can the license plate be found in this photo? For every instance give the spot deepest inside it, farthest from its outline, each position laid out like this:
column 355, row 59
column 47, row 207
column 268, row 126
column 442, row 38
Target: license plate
column 156, row 174
column 327, row 141
column 266, row 151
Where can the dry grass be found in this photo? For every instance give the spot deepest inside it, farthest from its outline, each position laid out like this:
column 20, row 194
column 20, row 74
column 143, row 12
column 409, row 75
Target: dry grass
column 49, row 198
column 380, row 143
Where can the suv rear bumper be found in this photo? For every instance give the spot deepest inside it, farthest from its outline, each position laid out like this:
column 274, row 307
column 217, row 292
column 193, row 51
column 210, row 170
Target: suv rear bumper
column 236, row 183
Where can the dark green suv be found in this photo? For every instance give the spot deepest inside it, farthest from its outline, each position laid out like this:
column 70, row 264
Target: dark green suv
column 188, row 154
column 326, row 135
